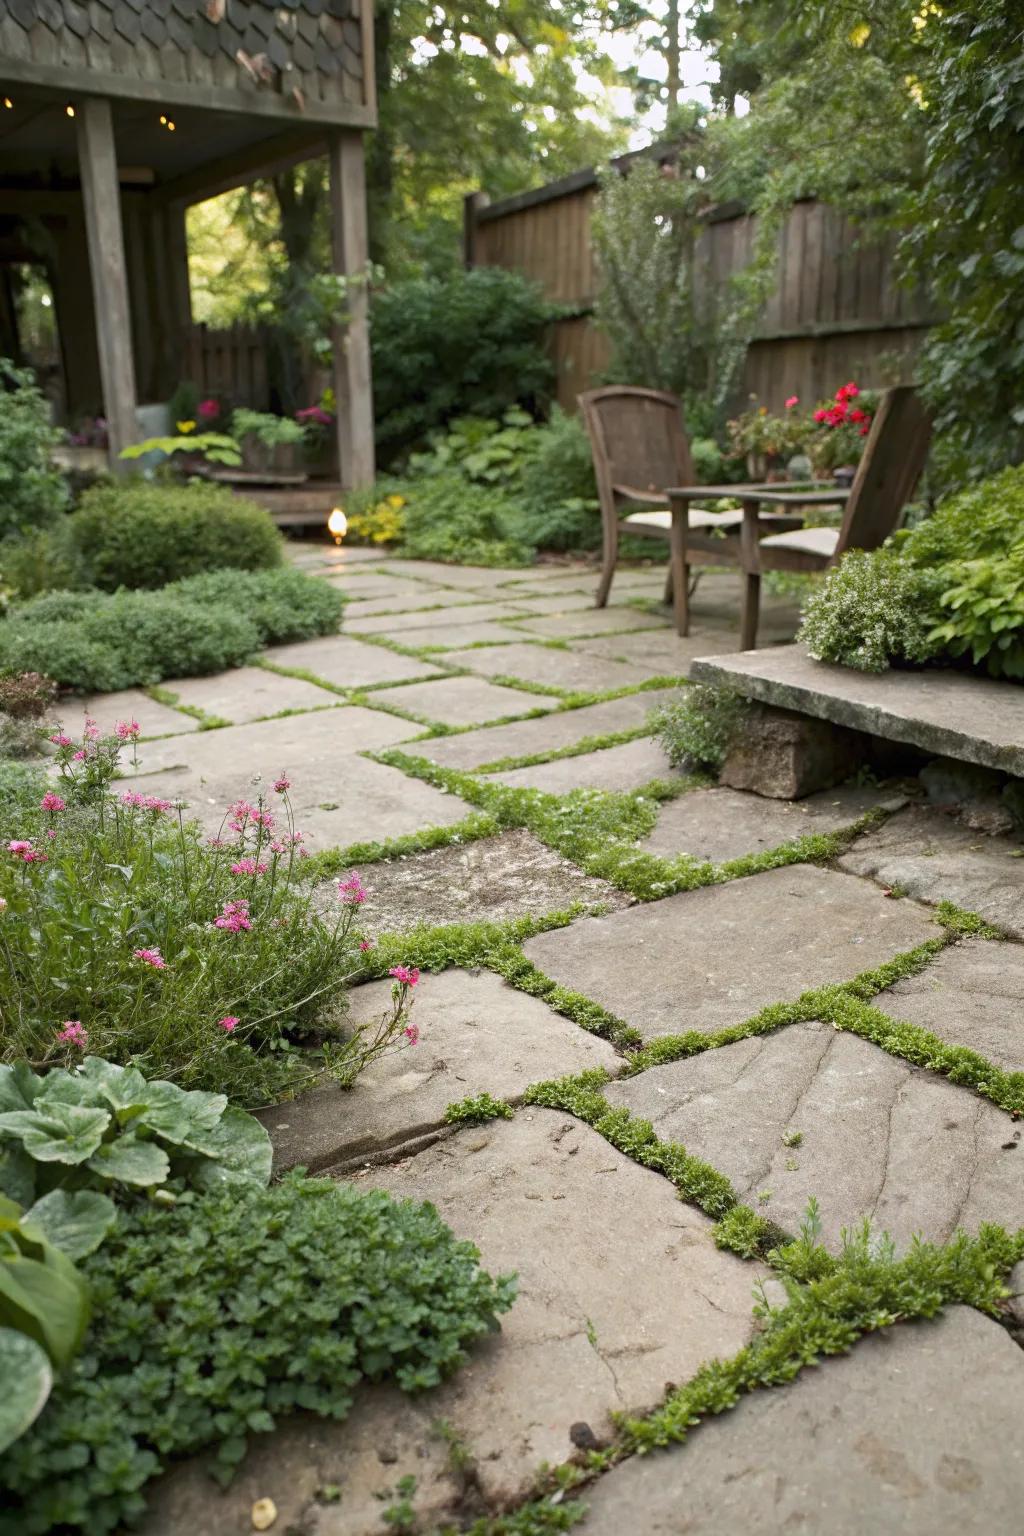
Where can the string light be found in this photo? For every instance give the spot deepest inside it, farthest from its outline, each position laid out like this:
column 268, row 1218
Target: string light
column 69, row 110
column 8, row 103
column 170, row 127
column 163, row 117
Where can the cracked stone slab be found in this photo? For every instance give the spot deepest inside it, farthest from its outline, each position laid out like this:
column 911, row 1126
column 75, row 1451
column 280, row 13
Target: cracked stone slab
column 477, row 1035
column 483, row 577
column 879, row 1138
column 710, row 958
column 625, row 767
column 552, row 667
column 249, row 693
column 562, row 729
column 658, row 653
column 905, row 1436
column 972, row 994
column 456, row 636
column 268, row 746
column 935, row 858
column 489, row 880
column 592, row 621
column 722, row 824
column 129, row 704
column 465, row 700
column 349, row 663
column 428, row 620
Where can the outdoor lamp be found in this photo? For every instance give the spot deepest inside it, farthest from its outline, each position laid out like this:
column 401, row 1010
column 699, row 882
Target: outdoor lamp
column 337, row 524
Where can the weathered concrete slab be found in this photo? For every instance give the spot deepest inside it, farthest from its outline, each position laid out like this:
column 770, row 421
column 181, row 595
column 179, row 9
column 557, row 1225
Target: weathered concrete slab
column 268, row 746
column 466, row 700
column 395, row 592
column 308, row 553
column 130, row 704
column 937, row 859
column 456, row 636
column 880, row 1139
column 710, row 958
column 490, row 880
column 430, row 620
column 249, row 693
column 592, row 621
column 720, row 824
column 658, row 652
column 350, row 663
column 975, row 719
column 562, row 729
column 483, row 577
column 906, row 1436
column 972, row 994
column 373, row 607
column 554, row 668
column 477, row 1035
column 548, row 603
column 625, row 767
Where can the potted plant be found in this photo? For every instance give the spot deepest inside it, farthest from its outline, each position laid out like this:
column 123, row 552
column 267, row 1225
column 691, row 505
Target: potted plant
column 321, row 443
column 766, row 441
column 271, row 445
column 842, row 424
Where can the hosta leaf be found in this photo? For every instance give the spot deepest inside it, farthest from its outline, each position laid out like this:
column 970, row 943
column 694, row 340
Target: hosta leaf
column 62, row 1133
column 120, row 1087
column 46, row 1299
column 240, row 1149
column 177, row 1116
column 18, row 1086
column 76, row 1223
column 27, row 1377
column 17, row 1175
column 131, row 1161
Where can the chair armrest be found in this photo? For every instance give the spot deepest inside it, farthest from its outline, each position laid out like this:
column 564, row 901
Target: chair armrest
column 636, row 493
column 800, row 498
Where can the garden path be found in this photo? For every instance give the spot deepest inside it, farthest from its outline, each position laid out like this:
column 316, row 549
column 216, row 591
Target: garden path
column 790, row 1004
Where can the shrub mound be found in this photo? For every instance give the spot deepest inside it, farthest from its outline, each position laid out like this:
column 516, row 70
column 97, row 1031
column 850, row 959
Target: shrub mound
column 950, row 589
column 138, row 533
column 97, row 641
column 213, row 1318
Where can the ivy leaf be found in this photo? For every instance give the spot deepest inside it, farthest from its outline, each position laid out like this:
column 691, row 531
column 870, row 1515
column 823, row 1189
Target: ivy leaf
column 131, row 1161
column 27, row 1377
column 76, row 1223
column 63, row 1133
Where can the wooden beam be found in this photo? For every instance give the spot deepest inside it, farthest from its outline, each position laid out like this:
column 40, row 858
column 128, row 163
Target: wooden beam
column 353, row 384
column 102, row 197
column 369, row 57
column 263, row 159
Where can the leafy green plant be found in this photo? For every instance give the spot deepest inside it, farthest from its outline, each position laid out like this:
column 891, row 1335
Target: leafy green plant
column 869, row 609
column 132, row 533
column 558, row 490
column 698, row 727
column 217, row 447
column 213, row 1319
column 447, row 517
column 35, row 561
column 33, row 493
column 476, row 1110
column 271, row 431
column 283, row 604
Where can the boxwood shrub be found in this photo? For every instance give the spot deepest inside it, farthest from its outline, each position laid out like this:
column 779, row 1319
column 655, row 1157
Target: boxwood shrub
column 138, row 533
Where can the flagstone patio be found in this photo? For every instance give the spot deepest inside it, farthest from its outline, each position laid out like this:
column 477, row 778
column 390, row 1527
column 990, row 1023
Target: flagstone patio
column 625, row 1290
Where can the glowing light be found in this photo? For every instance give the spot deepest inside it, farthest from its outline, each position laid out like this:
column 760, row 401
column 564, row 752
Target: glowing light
column 163, row 117
column 170, row 127
column 8, row 103
column 337, row 524
column 69, row 110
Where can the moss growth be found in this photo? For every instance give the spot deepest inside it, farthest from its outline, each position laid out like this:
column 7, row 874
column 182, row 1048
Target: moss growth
column 478, row 1109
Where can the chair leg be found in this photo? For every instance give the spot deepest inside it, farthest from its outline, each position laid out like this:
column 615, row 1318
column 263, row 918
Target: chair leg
column 609, row 560
column 678, row 568
column 668, row 586
column 750, row 611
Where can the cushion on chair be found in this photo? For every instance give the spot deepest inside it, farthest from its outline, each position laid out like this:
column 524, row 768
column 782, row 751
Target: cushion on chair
column 809, row 541
column 697, row 519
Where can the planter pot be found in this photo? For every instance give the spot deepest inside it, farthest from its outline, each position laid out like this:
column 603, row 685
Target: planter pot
column 281, row 459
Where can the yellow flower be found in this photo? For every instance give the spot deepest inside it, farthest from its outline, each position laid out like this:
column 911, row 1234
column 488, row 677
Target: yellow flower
column 184, row 427
column 860, row 34
column 396, row 501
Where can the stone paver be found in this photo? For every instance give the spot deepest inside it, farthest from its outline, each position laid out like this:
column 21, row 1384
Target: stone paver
column 484, row 578
column 592, row 621
column 249, row 693
column 350, row 663
column 624, row 767
column 559, row 730
column 906, row 1436
column 721, row 824
column 551, row 666
column 455, row 637
column 710, row 958
column 489, row 880
column 880, row 1139
column 465, row 700
column 658, row 652
column 477, row 1035
column 428, row 620
column 973, row 995
column 130, row 704
column 267, row 746
column 934, row 858
column 389, row 591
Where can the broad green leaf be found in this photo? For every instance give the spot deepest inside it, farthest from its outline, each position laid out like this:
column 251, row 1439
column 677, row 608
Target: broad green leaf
column 47, row 1300
column 63, row 1133
column 27, row 1377
column 120, row 1087
column 131, row 1161
column 240, row 1149
column 177, row 1115
column 17, row 1175
column 76, row 1223
column 18, row 1086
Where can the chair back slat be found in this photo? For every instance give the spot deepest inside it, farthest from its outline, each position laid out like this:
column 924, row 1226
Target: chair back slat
column 889, row 470
column 638, row 438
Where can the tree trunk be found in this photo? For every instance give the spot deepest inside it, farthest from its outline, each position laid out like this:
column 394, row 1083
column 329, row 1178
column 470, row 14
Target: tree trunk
column 672, row 53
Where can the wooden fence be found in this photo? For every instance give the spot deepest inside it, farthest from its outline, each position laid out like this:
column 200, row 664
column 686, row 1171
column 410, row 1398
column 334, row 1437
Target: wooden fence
column 836, row 312
column 231, row 363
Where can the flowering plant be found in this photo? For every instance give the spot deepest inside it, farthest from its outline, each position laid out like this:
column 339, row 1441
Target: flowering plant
column 381, row 523
column 123, row 928
column 760, row 435
column 842, row 425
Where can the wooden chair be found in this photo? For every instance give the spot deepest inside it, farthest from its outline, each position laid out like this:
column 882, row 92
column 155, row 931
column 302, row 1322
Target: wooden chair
column 889, row 469
column 642, row 459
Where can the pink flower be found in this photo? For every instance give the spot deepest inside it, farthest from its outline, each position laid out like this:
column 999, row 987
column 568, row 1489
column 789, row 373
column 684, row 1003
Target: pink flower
column 351, row 891
column 793, row 400
column 263, row 819
column 19, row 846
column 127, row 730
column 281, row 783
column 412, row 1034
column 228, row 1023
column 52, row 802
column 155, row 803
column 314, row 413
column 60, row 740
column 51, row 833
column 820, row 415
column 234, row 918
column 3, row 903
column 25, row 852
column 92, row 730
column 79, row 756
column 73, row 1033
column 364, row 945
column 406, row 975
column 241, row 810
column 248, row 867
column 208, row 410
column 151, row 957
column 863, row 431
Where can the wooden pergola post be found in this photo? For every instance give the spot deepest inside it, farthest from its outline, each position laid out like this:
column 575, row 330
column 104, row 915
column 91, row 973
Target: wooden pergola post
column 101, row 194
column 353, row 384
